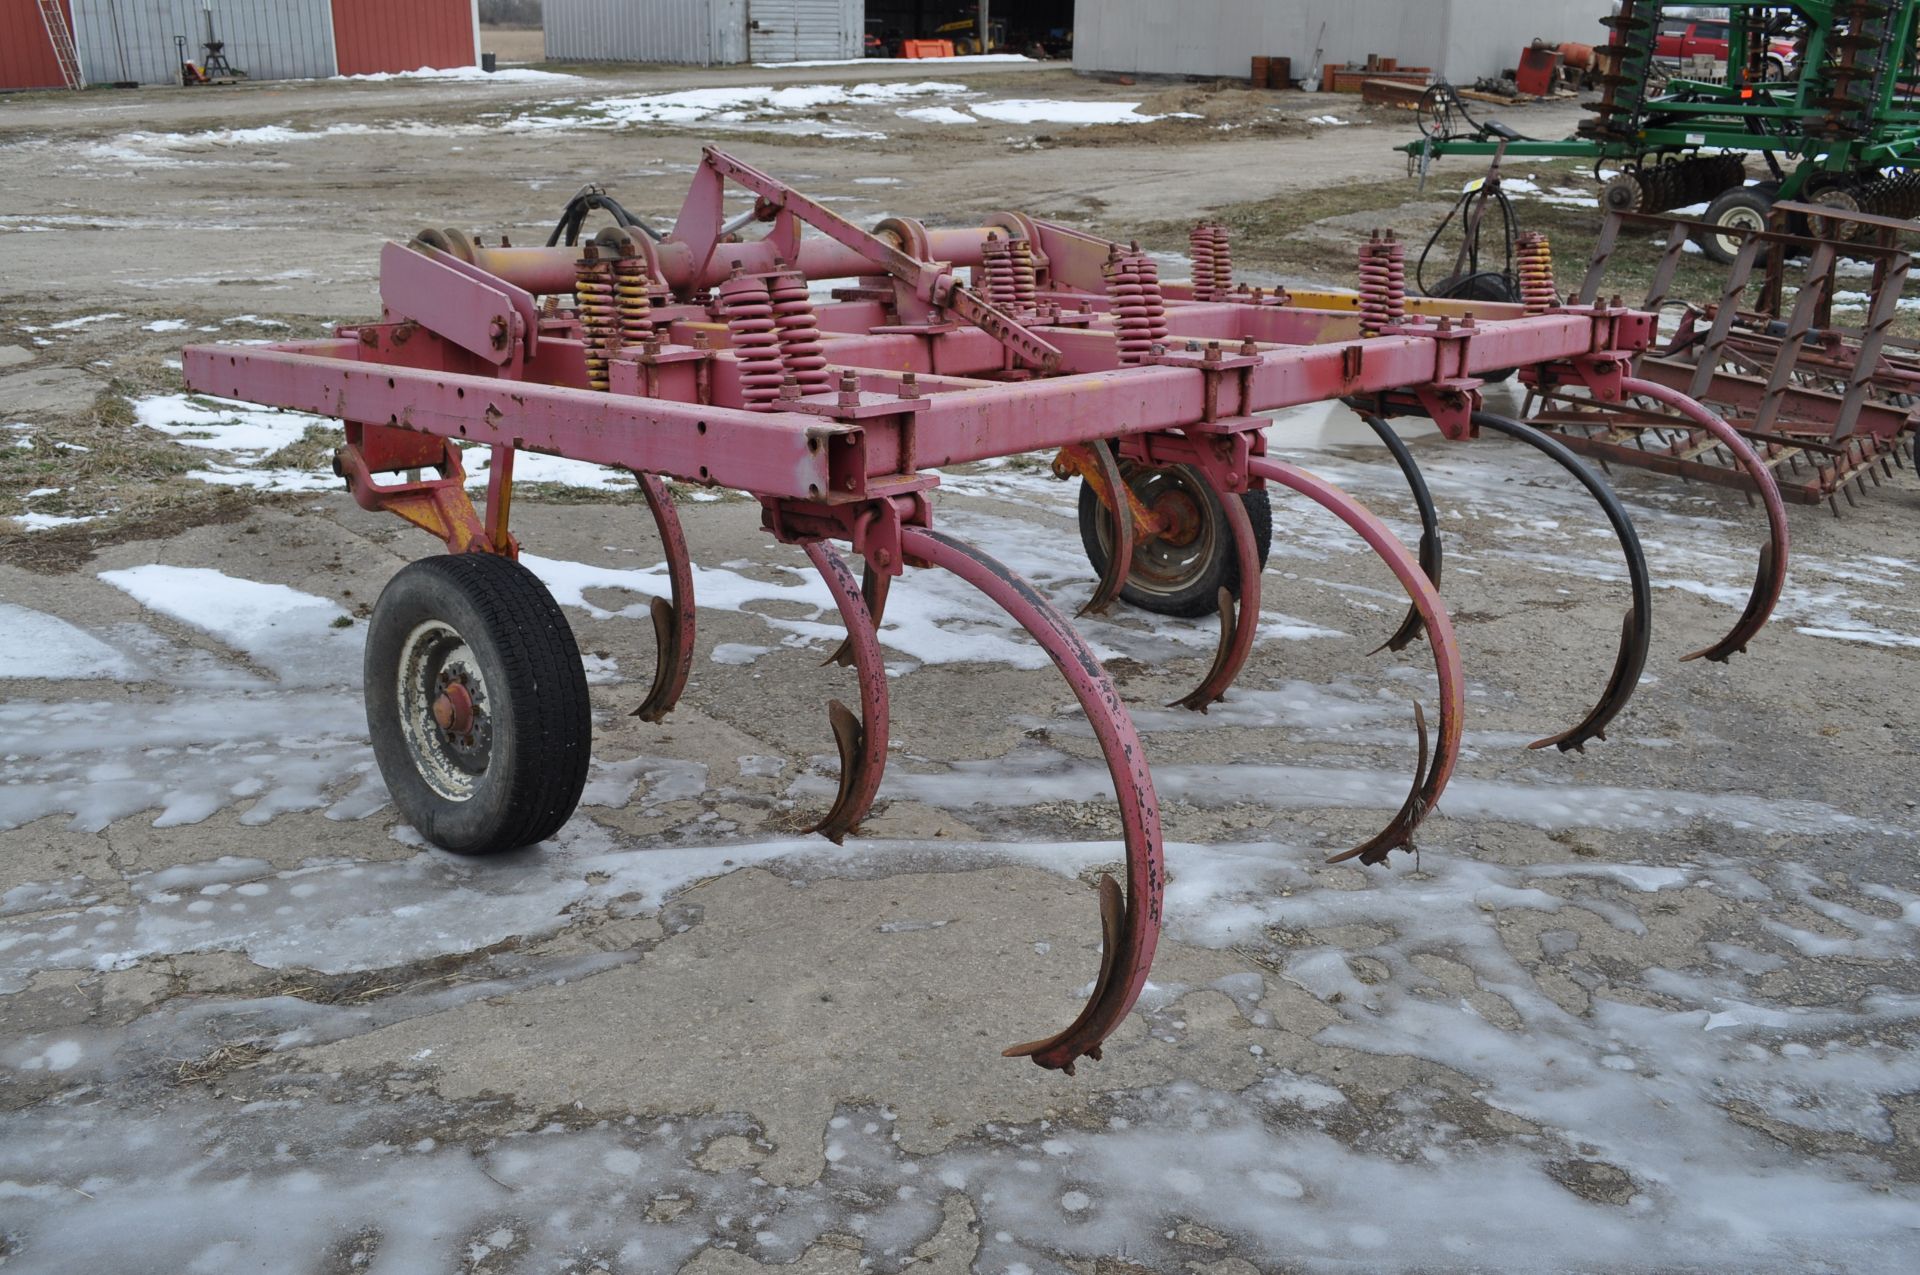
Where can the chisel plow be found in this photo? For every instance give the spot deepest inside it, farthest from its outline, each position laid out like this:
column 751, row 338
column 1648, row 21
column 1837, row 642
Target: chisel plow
column 706, row 354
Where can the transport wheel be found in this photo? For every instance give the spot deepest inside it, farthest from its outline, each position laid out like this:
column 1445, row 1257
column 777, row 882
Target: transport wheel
column 1742, row 208
column 1181, row 571
column 477, row 703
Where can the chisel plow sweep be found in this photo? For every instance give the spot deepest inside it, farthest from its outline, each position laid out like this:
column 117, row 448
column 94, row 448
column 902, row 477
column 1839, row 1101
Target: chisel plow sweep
column 702, row 355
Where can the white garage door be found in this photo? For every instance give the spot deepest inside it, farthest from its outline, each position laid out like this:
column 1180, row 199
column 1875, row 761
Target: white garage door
column 804, row 30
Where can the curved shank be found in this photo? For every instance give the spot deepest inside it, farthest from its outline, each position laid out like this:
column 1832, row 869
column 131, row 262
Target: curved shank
column 862, row 739
column 1428, row 782
column 1430, row 555
column 1636, row 631
column 1239, row 619
column 672, row 621
column 1772, row 574
column 873, row 591
column 1130, row 927
column 1112, row 486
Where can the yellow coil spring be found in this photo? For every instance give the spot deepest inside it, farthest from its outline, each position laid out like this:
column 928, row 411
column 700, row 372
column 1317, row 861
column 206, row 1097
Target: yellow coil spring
column 595, row 303
column 1535, row 261
column 631, row 283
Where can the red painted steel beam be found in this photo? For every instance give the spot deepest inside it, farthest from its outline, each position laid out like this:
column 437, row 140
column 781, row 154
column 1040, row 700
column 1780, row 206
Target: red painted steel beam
column 770, row 453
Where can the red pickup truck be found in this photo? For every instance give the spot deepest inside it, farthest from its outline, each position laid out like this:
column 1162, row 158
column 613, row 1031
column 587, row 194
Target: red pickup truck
column 1682, row 39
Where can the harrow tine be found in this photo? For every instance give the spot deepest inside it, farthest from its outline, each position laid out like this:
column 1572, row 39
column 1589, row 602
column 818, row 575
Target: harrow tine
column 1430, row 553
column 1429, row 782
column 1636, row 630
column 1129, row 925
column 1238, row 623
column 862, row 739
column 873, row 591
column 1772, row 574
column 673, row 621
column 1112, row 486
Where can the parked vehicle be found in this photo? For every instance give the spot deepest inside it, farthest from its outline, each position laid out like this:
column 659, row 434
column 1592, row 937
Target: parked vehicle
column 1680, row 40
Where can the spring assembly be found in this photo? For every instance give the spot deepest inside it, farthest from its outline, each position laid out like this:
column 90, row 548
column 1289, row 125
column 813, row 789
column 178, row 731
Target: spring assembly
column 1200, row 247
column 632, row 282
column 1383, row 283
column 1150, row 295
column 804, row 357
column 1025, row 291
column 1535, row 262
column 1132, row 319
column 748, row 308
column 996, row 261
column 1222, row 261
column 594, row 301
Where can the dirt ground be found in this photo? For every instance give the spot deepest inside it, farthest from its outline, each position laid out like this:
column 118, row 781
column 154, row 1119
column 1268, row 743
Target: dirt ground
column 1649, row 1008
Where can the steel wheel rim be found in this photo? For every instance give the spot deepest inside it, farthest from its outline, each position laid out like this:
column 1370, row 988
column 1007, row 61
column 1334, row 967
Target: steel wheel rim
column 437, row 669
column 1163, row 566
column 1738, row 219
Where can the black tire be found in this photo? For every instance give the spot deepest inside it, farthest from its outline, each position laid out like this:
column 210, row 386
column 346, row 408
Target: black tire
column 486, row 625
column 1746, row 206
column 1486, row 285
column 1164, row 580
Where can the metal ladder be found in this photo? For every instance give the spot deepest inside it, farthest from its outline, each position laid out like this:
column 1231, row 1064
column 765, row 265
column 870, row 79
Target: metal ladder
column 54, row 18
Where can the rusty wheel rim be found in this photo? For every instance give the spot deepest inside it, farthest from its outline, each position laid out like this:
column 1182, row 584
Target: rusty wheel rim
column 445, row 711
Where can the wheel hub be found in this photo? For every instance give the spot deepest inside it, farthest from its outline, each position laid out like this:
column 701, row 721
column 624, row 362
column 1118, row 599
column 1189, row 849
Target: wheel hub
column 453, row 711
column 444, row 710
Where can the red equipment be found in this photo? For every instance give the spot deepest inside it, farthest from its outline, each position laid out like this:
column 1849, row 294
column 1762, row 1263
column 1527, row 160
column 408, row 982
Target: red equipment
column 697, row 356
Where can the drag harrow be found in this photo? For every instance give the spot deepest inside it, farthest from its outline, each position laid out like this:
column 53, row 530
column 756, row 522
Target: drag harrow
column 699, row 355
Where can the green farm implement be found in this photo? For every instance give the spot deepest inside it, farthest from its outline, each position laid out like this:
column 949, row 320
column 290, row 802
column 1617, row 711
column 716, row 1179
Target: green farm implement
column 1837, row 126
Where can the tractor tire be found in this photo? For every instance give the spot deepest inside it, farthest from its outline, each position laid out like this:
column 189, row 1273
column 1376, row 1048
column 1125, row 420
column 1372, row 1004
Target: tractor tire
column 1180, row 575
column 1742, row 208
column 477, row 703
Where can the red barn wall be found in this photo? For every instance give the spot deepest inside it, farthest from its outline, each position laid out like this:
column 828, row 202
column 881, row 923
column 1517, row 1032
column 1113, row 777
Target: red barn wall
column 26, row 56
column 376, row 35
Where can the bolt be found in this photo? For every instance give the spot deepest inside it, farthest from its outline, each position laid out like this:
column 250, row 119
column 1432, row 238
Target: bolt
column 909, row 386
column 1248, row 347
column 1467, row 320
column 883, row 558
column 591, row 253
column 739, row 268
column 1156, row 349
column 789, row 386
column 1213, row 352
column 1446, row 324
column 1193, row 347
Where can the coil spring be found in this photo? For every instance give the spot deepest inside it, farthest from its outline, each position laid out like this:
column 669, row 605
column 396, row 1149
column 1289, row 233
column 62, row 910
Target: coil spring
column 1535, row 260
column 997, row 262
column 1383, row 283
column 1025, row 282
column 748, row 307
column 1222, row 261
column 804, row 357
column 594, row 302
column 1150, row 295
column 1200, row 247
column 631, row 283
column 1140, row 313
column 1132, row 320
